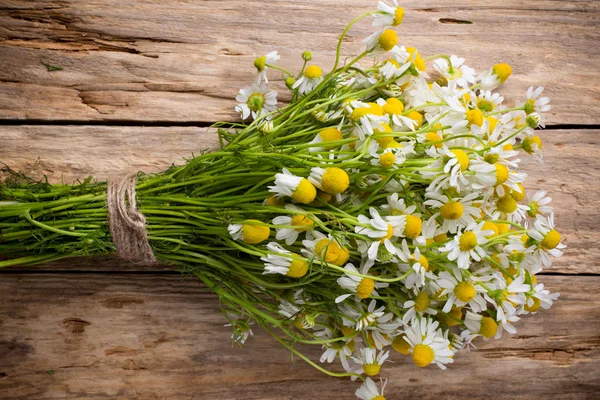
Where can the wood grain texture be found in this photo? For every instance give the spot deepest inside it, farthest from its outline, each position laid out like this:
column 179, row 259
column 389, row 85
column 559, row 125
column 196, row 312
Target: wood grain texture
column 71, row 152
column 161, row 337
column 185, row 61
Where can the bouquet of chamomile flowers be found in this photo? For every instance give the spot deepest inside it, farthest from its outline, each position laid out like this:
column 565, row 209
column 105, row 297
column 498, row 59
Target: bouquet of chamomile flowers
column 382, row 209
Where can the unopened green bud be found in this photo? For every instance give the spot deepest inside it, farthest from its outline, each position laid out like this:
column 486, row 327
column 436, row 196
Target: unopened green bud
column 307, row 56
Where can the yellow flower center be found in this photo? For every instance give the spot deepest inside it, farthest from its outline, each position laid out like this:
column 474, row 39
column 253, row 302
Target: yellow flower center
column 506, row 204
column 274, row 201
column 335, row 181
column 388, row 39
column 393, row 106
column 452, row 210
column 401, row 345
column 371, row 369
column 551, row 240
column 501, row 173
column 326, row 197
column 255, row 101
column 422, row 302
column 422, row 260
column 475, row 116
column 489, row 327
column 535, row 306
column 453, row 317
column 416, row 58
column 389, row 234
column 302, row 222
column 485, row 105
column 387, row 159
column 380, row 397
column 327, row 249
column 423, row 355
column 464, row 291
column 434, row 137
column 255, row 233
column 343, row 255
column 532, row 144
column 462, row 158
column 298, row 268
column 493, row 122
column 442, row 237
column 305, row 193
column 467, row 241
column 260, row 62
column 330, row 135
column 503, row 71
column 383, row 140
column 393, row 62
column 490, row 226
column 413, row 226
column 416, row 116
column 313, row 72
column 398, row 16
column 365, row 288
column 358, row 113
column 347, row 331
column 502, row 227
column 518, row 196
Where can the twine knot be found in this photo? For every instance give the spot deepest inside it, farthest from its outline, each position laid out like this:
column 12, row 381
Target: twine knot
column 127, row 225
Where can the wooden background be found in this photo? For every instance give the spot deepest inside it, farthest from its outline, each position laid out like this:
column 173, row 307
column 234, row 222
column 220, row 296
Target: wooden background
column 138, row 84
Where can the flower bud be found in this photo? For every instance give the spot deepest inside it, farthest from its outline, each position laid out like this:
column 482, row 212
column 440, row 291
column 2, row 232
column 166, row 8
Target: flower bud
column 307, row 56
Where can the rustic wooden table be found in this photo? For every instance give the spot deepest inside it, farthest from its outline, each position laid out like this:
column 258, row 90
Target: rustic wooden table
column 106, row 87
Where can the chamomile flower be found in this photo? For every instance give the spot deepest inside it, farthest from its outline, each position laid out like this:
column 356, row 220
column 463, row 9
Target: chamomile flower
column 357, row 318
column 466, row 245
column 251, row 231
column 481, row 325
column 460, row 290
column 538, row 204
column 331, row 180
column 548, row 239
column 456, row 213
column 371, row 360
column 362, row 287
column 330, row 134
column 241, row 329
column 383, row 231
column 284, row 262
column 415, row 261
column 262, row 65
column 381, row 41
column 428, row 345
column 310, row 79
column 495, row 76
column 370, row 391
column 506, row 298
column 455, row 71
column 326, row 248
column 296, row 187
column 538, row 298
column 342, row 348
column 535, row 103
column 420, row 305
column 390, row 14
column 396, row 66
column 294, row 225
column 256, row 100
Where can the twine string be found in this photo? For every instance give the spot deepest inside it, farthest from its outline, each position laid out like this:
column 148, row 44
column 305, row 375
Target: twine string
column 127, row 224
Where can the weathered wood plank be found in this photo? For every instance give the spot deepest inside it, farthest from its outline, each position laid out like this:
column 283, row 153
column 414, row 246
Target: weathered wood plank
column 161, row 337
column 185, row 61
column 78, row 151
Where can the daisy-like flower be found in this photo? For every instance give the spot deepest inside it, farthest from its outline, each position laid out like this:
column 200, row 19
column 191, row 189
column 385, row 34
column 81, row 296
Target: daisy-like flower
column 420, row 305
column 506, row 298
column 330, row 134
column 341, row 348
column 431, row 232
column 296, row 187
column 428, row 344
column 466, row 245
column 357, row 318
column 331, row 180
column 256, row 100
column 262, row 65
column 540, row 298
column 310, row 79
column 326, row 248
column 390, row 14
column 362, row 287
column 415, row 261
column 548, row 238
column 381, row 230
column 298, row 223
column 284, row 262
column 535, row 103
column 381, row 41
column 481, row 325
column 495, row 76
column 461, row 291
column 369, row 390
column 396, row 66
column 241, row 328
column 455, row 71
column 366, row 117
column 457, row 213
column 538, row 204
column 252, row 231
column 371, row 360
